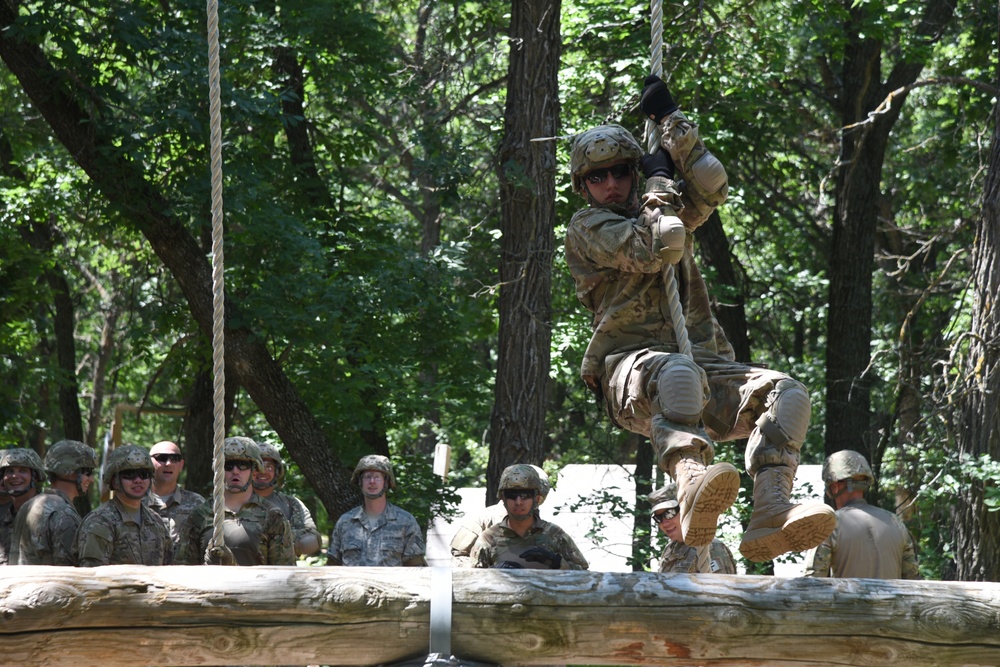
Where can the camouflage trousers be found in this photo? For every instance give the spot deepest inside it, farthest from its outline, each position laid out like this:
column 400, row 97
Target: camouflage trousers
column 738, row 394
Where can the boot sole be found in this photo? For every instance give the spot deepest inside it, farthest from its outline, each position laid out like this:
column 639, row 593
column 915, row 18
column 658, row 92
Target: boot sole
column 800, row 534
column 720, row 487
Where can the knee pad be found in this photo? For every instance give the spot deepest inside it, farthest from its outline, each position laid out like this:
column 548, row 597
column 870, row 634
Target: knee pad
column 682, row 390
column 787, row 418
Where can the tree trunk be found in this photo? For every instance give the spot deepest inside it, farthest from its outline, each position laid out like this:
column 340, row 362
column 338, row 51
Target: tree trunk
column 94, row 147
column 527, row 198
column 122, row 616
column 977, row 417
column 864, row 138
column 713, row 245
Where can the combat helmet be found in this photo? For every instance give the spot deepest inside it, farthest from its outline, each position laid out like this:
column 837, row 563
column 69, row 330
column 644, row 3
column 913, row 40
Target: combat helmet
column 127, row 457
column 66, row 457
column 269, row 451
column 519, row 476
column 375, row 462
column 241, row 448
column 850, row 466
column 23, row 457
column 543, row 477
column 600, row 147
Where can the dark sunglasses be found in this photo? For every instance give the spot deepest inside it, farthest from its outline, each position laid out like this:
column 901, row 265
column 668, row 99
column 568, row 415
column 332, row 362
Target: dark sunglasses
column 168, row 458
column 136, row 473
column 619, row 171
column 241, row 464
column 518, row 494
column 665, row 515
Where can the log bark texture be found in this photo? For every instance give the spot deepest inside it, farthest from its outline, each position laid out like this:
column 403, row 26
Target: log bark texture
column 127, row 615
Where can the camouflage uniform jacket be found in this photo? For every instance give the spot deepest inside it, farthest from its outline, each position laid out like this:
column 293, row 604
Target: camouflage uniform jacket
column 297, row 514
column 45, row 531
column 174, row 509
column 868, row 542
column 679, row 557
column 265, row 529
column 388, row 540
column 469, row 531
column 110, row 536
column 6, row 528
column 500, row 543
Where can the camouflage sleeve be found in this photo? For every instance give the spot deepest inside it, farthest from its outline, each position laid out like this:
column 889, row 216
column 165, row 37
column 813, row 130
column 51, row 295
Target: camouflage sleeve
column 95, row 542
column 818, row 561
column 190, row 550
column 63, row 527
column 572, row 557
column 302, row 522
column 602, row 238
column 909, row 568
column 705, row 185
column 722, row 558
column 482, row 554
column 334, row 556
column 414, row 547
column 280, row 547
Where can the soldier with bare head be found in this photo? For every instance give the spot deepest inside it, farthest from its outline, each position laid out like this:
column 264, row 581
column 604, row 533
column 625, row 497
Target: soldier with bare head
column 168, row 498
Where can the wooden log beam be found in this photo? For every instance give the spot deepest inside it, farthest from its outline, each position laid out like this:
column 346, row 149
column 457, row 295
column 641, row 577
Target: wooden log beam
column 127, row 616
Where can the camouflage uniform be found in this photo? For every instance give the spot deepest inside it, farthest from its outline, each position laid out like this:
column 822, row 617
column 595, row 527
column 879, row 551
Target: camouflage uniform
column 387, row 540
column 469, row 531
column 679, row 557
column 867, row 542
column 297, row 514
column 110, row 536
column 6, row 528
column 45, row 531
column 264, row 527
column 174, row 510
column 499, row 543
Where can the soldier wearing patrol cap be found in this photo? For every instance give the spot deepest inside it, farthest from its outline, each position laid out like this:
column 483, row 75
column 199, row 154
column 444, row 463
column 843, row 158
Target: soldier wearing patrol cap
column 46, row 526
column 253, row 532
column 619, row 250
column 266, row 483
column 124, row 531
column 677, row 556
column 868, row 541
column 522, row 539
column 377, row 533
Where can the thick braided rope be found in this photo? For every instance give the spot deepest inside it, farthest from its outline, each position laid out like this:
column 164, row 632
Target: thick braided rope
column 669, row 280
column 218, row 291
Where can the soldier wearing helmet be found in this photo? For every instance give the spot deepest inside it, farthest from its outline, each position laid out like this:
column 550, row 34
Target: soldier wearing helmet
column 6, row 517
column 21, row 473
column 168, row 498
column 677, row 556
column 619, row 250
column 124, row 530
column 522, row 539
column 868, row 541
column 253, row 532
column 473, row 525
column 267, row 482
column 377, row 533
column 45, row 530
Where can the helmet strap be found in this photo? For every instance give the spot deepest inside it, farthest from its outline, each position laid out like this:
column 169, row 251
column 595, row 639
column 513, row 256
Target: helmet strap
column 120, row 488
column 375, row 496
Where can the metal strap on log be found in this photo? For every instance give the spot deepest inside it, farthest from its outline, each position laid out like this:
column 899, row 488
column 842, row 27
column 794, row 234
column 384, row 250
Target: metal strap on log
column 123, row 615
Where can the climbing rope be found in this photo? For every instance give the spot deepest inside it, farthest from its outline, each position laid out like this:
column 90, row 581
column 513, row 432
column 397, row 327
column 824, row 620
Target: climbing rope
column 669, row 279
column 218, row 285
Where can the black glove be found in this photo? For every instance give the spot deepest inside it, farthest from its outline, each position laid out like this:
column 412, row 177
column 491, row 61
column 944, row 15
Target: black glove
column 656, row 101
column 542, row 555
column 507, row 565
column 657, row 164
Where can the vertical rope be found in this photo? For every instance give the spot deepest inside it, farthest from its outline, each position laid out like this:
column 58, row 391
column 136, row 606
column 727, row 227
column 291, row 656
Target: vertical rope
column 218, row 286
column 669, row 279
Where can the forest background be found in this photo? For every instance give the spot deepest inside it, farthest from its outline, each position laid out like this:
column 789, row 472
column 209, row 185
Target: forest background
column 394, row 270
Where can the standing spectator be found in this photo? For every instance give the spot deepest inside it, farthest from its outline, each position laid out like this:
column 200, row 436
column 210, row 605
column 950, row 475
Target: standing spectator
column 253, row 533
column 123, row 531
column 522, row 539
column 377, row 532
column 868, row 541
column 21, row 472
column 677, row 556
column 168, row 499
column 306, row 537
column 45, row 528
column 472, row 526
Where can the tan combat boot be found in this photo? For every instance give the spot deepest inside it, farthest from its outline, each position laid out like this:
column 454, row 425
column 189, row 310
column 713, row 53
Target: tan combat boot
column 703, row 492
column 777, row 525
